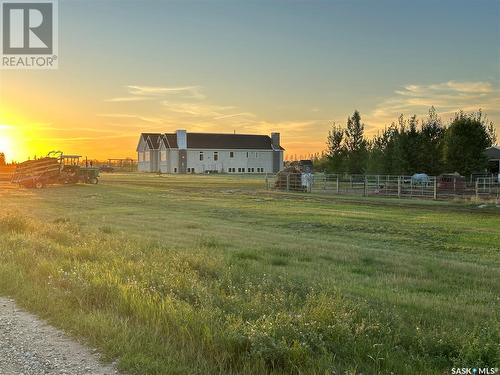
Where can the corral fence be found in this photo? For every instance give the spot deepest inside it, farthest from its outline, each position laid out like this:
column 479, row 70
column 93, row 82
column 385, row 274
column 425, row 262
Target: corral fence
column 430, row 187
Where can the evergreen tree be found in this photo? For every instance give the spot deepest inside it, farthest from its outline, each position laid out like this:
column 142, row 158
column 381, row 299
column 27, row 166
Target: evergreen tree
column 2, row 159
column 355, row 144
column 335, row 149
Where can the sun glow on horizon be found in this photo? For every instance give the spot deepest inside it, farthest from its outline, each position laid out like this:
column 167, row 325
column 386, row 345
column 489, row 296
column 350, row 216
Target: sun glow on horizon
column 5, row 143
column 10, row 143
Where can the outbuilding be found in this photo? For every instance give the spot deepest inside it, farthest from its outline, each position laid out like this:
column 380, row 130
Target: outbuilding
column 493, row 155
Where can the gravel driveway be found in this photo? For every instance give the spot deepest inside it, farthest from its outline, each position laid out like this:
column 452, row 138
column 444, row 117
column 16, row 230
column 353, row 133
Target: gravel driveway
column 29, row 346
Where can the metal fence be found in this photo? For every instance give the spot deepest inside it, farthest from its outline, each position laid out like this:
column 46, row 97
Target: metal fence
column 487, row 187
column 430, row 187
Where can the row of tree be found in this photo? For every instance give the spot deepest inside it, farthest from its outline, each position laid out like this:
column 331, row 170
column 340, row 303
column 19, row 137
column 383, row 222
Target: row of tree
column 410, row 146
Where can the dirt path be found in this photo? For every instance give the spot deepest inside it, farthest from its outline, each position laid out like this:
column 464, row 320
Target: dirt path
column 29, row 346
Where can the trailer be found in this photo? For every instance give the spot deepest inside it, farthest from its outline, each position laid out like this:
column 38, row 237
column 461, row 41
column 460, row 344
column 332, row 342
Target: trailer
column 55, row 168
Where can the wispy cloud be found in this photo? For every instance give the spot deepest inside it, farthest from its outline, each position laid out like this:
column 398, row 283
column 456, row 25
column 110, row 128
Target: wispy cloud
column 193, row 92
column 196, row 109
column 139, row 93
column 448, row 98
column 233, row 115
column 155, row 120
column 187, row 107
column 128, row 99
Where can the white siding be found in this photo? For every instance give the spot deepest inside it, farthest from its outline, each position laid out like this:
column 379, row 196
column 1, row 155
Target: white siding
column 142, row 164
column 255, row 159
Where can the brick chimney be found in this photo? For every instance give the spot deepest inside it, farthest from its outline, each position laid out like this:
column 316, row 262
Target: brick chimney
column 275, row 138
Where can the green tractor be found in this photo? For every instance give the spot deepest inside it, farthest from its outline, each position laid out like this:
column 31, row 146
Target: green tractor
column 55, row 168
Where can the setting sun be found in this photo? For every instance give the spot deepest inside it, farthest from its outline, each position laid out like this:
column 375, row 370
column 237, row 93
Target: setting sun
column 5, row 142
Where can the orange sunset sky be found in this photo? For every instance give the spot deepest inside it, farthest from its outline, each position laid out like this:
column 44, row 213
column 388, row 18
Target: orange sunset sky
column 128, row 67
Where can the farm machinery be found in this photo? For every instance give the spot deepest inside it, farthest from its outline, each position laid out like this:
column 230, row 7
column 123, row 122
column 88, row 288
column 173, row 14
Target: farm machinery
column 55, row 168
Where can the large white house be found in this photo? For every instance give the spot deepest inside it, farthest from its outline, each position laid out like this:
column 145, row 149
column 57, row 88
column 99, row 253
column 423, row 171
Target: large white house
column 183, row 152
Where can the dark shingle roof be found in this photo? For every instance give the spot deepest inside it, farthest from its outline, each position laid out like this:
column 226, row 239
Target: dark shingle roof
column 153, row 139
column 222, row 141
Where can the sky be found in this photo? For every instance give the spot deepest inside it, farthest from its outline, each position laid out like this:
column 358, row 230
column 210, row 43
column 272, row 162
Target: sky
column 295, row 67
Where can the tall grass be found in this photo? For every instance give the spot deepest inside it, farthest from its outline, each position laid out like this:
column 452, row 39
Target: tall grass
column 326, row 293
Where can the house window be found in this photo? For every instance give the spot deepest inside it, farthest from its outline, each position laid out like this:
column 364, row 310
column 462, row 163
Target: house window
column 216, row 155
column 243, row 170
column 231, row 154
column 201, row 155
column 163, row 155
column 146, row 156
column 239, row 170
column 141, row 156
column 175, row 170
column 256, row 154
column 247, row 154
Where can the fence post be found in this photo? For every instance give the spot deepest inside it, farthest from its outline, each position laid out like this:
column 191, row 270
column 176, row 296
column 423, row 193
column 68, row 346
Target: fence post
column 477, row 188
column 435, row 188
column 399, row 186
column 288, row 182
column 365, row 187
column 338, row 191
column 267, row 183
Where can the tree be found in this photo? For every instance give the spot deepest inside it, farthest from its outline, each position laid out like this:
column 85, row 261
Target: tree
column 335, row 148
column 355, row 144
column 376, row 148
column 431, row 141
column 465, row 141
column 2, row 159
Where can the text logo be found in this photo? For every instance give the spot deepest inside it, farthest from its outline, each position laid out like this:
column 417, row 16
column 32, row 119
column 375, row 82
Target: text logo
column 29, row 34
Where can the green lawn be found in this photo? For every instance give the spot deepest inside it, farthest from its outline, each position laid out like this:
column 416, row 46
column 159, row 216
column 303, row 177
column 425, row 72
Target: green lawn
column 202, row 274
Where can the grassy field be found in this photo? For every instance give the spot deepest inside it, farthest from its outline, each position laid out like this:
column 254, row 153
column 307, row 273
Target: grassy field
column 207, row 275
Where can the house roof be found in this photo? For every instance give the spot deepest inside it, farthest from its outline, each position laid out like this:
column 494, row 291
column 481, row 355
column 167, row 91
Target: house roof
column 222, row 141
column 153, row 140
column 493, row 153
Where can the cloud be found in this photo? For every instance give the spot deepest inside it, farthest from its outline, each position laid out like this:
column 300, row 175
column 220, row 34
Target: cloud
column 241, row 114
column 447, row 97
column 139, row 93
column 187, row 107
column 193, row 92
column 196, row 109
column 128, row 99
column 155, row 120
